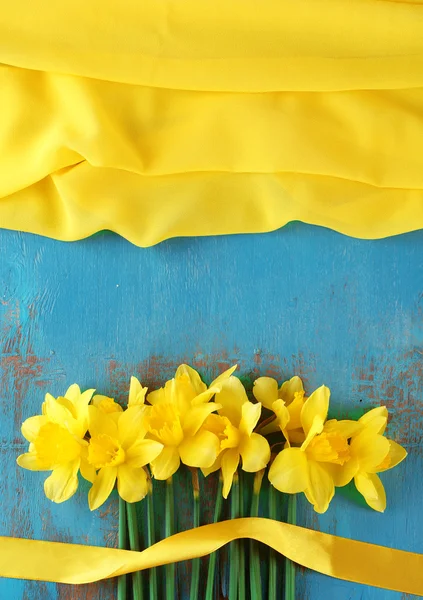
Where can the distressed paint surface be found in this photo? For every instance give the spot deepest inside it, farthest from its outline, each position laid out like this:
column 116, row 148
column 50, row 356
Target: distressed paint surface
column 303, row 300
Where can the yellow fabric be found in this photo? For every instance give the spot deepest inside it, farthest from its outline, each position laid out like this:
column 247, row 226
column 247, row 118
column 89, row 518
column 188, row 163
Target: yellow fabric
column 167, row 118
column 339, row 557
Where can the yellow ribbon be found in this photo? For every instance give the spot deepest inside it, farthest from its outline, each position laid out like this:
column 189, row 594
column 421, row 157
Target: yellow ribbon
column 338, row 557
column 196, row 118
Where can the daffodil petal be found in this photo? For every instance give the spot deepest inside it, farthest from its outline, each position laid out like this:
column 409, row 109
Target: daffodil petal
column 250, row 414
column 345, row 427
column 375, row 420
column 83, row 399
column 66, row 403
column 215, row 466
column 31, row 427
column 102, row 487
column 143, row 452
column 56, row 412
column 136, row 392
column 294, row 409
column 107, row 405
column 289, row 388
column 265, row 390
column 282, row 413
column 77, row 406
column 194, row 378
column 63, row 482
column 396, row 455
column 30, row 461
column 370, row 449
column 343, row 474
column 200, row 450
column 230, row 462
column 195, row 417
column 232, row 396
column 177, row 391
column 132, row 483
column 371, row 488
column 315, row 410
column 88, row 472
column 181, row 392
column 166, row 464
column 157, row 397
column 289, row 471
column 315, row 429
column 73, row 392
column 101, row 423
column 255, row 453
column 218, row 382
column 321, row 488
column 131, row 425
column 204, row 397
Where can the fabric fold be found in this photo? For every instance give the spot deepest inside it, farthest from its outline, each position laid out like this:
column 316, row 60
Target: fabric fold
column 169, row 118
column 242, row 45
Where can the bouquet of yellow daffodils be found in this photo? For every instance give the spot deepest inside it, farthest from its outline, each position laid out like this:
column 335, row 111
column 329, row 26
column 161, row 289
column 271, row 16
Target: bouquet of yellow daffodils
column 208, row 428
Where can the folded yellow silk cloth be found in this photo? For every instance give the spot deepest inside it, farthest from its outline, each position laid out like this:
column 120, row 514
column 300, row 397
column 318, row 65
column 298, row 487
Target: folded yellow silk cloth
column 163, row 118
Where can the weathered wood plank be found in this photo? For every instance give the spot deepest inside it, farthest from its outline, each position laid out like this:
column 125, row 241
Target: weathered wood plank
column 303, row 300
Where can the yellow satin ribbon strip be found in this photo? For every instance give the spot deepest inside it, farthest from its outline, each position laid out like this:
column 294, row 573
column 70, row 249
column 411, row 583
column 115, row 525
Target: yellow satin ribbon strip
column 338, row 557
column 199, row 118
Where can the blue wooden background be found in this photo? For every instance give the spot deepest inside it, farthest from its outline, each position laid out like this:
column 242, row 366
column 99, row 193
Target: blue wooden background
column 302, row 300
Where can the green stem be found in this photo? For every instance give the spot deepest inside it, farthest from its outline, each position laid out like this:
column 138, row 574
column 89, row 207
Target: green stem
column 134, row 543
column 241, row 545
column 151, row 539
column 272, row 557
column 213, row 556
column 255, row 574
column 289, row 565
column 169, row 529
column 233, row 555
column 123, row 540
column 195, row 575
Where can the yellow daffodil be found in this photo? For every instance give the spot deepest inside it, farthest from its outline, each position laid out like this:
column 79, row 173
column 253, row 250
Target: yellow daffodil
column 178, row 411
column 57, row 442
column 370, row 453
column 286, row 402
column 119, row 451
column 308, row 468
column 234, row 426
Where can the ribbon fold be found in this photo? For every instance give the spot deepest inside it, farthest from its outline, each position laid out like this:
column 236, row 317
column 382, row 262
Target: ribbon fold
column 331, row 555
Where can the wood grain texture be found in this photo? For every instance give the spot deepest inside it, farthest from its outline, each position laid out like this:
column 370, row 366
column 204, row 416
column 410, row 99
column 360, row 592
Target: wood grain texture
column 303, row 300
